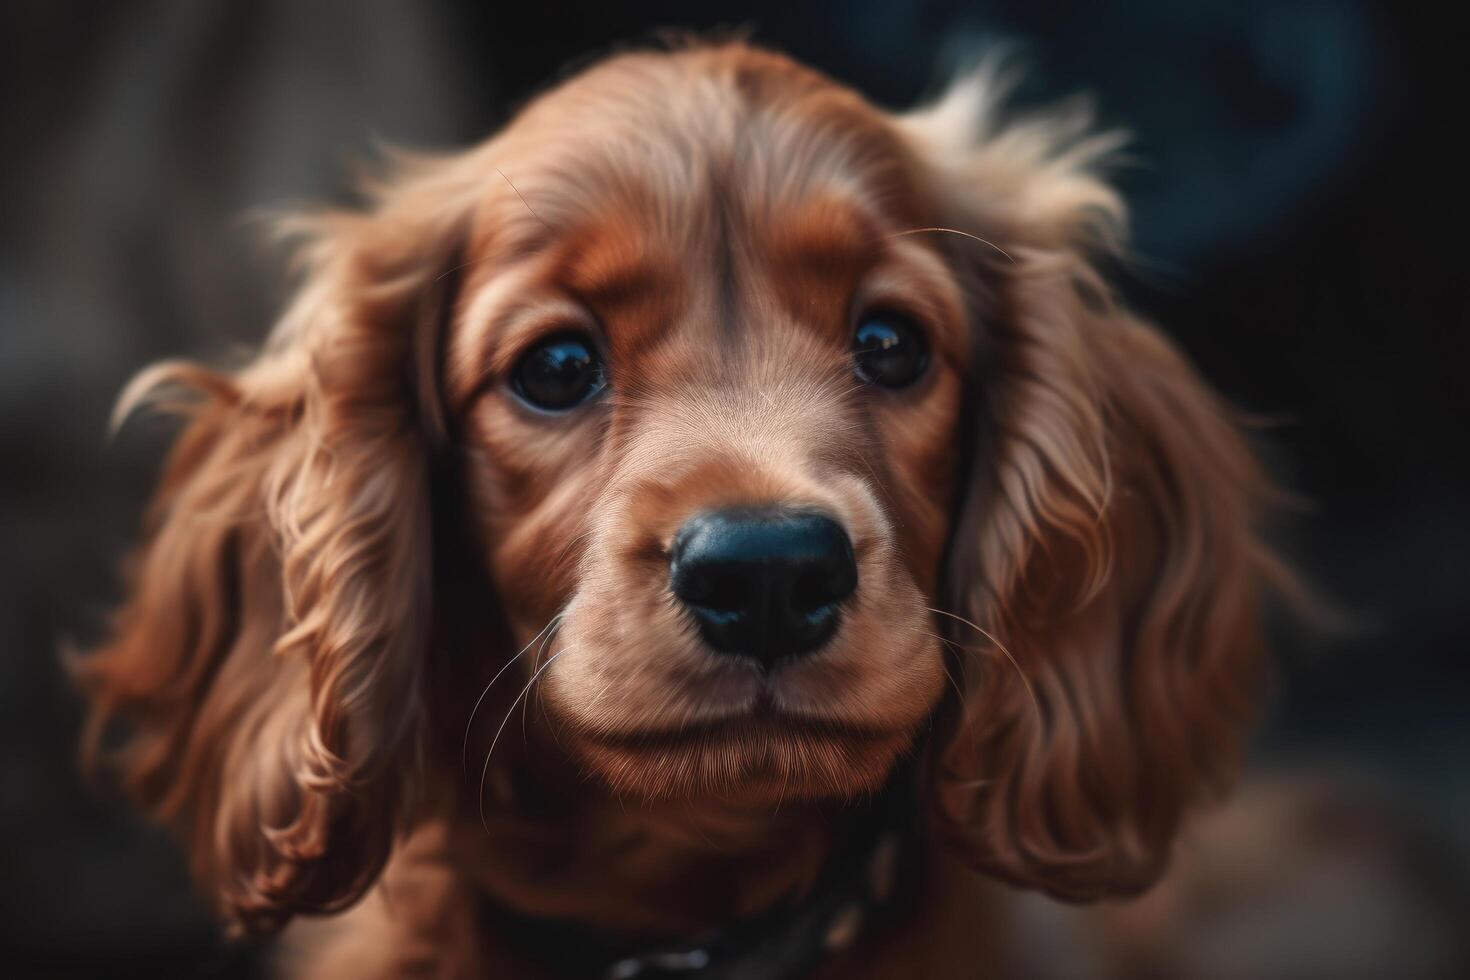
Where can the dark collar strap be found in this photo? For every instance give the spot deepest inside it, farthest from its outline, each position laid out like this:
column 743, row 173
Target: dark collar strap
column 865, row 881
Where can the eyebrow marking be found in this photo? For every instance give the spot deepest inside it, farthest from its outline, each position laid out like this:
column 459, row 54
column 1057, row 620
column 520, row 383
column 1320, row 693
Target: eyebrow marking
column 826, row 237
column 828, row 252
column 626, row 279
column 613, row 280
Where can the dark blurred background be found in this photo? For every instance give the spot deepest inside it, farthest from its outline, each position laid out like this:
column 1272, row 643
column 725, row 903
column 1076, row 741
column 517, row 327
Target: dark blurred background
column 1299, row 220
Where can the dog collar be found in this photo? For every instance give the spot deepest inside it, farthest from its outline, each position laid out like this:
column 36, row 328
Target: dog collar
column 863, row 885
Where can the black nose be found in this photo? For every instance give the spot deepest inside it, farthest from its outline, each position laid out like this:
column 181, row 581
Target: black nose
column 763, row 583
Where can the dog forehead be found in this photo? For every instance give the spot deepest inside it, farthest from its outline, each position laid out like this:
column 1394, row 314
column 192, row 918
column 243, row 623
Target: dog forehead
column 675, row 141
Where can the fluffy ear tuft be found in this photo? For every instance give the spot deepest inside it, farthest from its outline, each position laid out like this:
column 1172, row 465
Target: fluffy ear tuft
column 265, row 669
column 1029, row 179
column 1107, row 565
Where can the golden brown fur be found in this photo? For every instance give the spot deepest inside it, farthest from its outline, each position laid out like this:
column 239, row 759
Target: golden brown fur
column 1056, row 531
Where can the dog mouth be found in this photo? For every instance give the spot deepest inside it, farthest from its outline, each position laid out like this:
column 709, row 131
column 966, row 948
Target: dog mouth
column 763, row 722
column 762, row 755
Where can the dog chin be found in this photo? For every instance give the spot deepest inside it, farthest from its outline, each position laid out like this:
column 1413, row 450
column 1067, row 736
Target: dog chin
column 757, row 759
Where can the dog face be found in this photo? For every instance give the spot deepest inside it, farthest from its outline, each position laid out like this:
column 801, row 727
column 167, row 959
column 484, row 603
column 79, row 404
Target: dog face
column 789, row 435
column 726, row 521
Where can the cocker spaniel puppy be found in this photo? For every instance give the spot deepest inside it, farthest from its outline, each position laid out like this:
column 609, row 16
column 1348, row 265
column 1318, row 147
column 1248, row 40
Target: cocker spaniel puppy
column 692, row 533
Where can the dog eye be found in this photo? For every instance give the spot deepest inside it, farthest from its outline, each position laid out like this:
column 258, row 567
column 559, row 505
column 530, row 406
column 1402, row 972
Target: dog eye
column 888, row 349
column 559, row 373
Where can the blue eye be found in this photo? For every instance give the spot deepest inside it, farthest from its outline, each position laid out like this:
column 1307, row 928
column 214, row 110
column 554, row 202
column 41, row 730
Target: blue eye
column 559, row 373
column 888, row 349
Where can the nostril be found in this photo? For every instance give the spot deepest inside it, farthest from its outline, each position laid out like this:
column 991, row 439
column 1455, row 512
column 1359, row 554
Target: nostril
column 825, row 579
column 816, row 591
column 763, row 583
column 808, row 594
column 720, row 589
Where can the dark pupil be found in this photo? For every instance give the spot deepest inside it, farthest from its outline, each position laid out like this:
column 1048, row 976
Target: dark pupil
column 888, row 351
column 560, row 373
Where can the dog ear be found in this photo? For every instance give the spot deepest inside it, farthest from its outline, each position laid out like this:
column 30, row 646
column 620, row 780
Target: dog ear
column 1106, row 570
column 265, row 670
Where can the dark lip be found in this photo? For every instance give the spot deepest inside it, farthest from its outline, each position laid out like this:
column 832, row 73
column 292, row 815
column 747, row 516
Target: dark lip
column 762, row 721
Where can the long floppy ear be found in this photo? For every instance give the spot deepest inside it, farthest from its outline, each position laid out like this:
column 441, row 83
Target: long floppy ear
column 261, row 692
column 1106, row 561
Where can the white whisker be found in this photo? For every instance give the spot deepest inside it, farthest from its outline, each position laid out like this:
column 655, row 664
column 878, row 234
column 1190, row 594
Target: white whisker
column 485, row 770
column 1025, row 681
column 464, row 752
column 535, row 661
column 954, row 231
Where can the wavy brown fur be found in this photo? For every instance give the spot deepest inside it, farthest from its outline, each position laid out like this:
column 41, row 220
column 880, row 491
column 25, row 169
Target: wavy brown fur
column 1065, row 487
column 266, row 663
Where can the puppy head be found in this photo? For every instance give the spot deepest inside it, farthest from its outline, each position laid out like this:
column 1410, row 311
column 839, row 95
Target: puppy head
column 727, row 540
column 774, row 418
